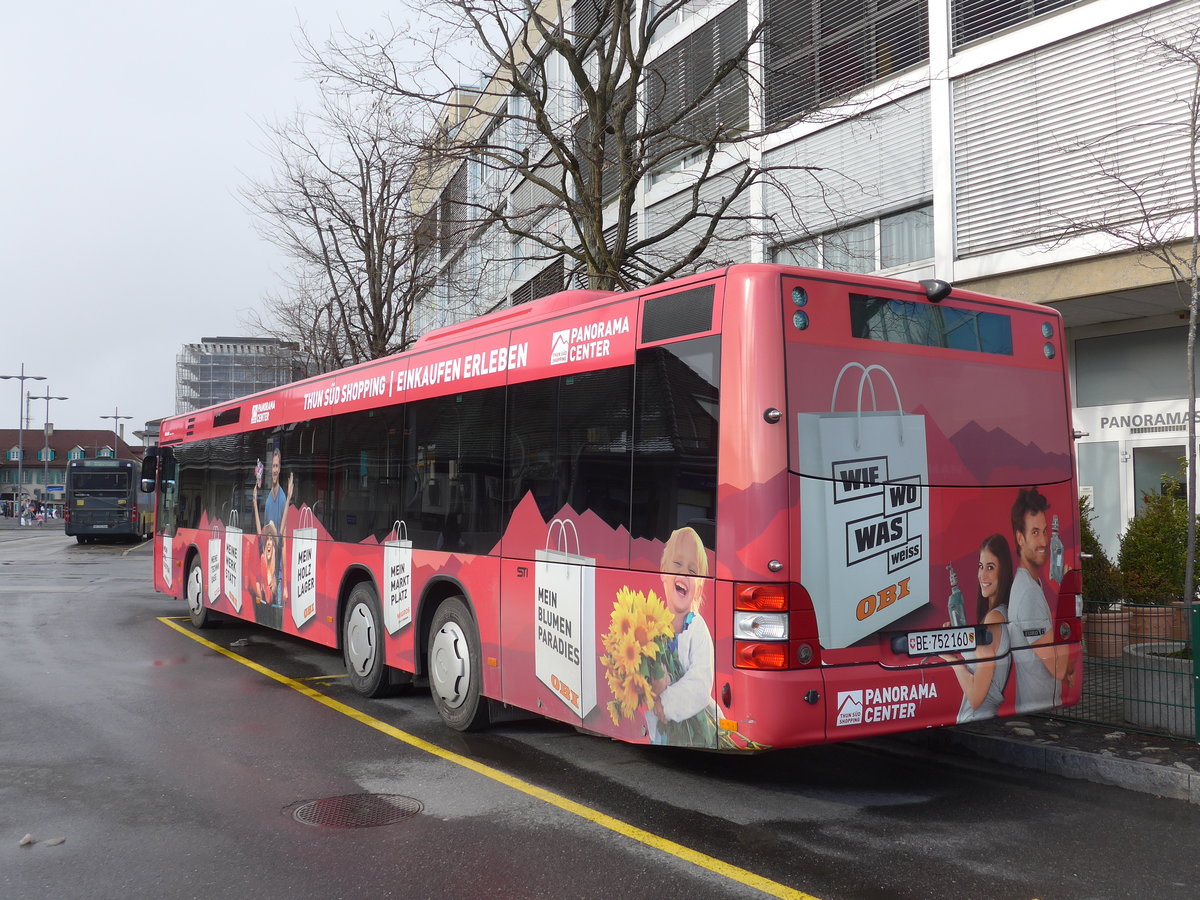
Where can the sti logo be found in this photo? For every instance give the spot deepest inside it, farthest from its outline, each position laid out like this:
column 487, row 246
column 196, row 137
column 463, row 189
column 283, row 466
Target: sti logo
column 560, row 347
column 849, row 708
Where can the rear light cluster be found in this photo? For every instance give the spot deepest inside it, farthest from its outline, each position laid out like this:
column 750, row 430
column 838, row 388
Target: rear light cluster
column 1070, row 607
column 774, row 627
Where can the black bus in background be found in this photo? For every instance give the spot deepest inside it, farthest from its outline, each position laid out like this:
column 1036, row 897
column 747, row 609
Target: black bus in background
column 104, row 499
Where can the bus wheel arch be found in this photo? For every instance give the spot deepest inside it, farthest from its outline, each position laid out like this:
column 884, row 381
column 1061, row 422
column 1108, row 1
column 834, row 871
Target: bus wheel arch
column 193, row 591
column 455, row 665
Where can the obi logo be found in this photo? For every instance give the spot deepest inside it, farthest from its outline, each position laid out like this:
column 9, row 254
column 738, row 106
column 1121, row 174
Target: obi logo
column 850, row 708
column 872, row 604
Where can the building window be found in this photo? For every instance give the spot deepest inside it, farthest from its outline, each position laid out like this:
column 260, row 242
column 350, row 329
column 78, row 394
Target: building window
column 76, row 453
column 887, row 242
column 821, row 51
column 974, row 19
column 682, row 74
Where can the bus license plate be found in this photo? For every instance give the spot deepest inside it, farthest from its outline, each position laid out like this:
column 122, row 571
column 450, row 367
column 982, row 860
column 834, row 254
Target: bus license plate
column 945, row 640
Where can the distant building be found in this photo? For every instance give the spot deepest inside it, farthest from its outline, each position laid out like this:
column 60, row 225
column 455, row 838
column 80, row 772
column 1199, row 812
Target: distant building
column 44, row 464
column 225, row 368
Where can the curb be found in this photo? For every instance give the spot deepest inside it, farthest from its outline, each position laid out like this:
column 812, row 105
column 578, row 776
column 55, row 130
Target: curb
column 1143, row 777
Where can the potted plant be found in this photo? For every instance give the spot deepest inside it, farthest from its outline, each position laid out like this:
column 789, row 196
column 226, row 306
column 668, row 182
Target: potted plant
column 1152, row 559
column 1105, row 619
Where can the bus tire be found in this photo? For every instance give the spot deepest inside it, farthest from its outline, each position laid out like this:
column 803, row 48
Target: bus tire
column 193, row 592
column 455, row 669
column 363, row 643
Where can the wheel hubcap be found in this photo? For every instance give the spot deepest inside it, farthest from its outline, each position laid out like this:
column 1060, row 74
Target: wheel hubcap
column 360, row 639
column 450, row 665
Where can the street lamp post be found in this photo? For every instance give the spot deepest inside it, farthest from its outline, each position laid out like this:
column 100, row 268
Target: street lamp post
column 45, row 432
column 116, row 417
column 21, row 429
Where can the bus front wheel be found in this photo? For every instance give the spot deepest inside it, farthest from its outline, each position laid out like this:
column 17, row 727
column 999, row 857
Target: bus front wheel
column 201, row 615
column 362, row 643
column 455, row 670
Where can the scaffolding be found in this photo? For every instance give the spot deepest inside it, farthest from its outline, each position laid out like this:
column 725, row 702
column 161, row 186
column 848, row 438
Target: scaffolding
column 219, row 369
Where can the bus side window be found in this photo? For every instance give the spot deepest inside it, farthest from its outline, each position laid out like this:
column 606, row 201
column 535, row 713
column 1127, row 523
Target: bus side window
column 675, row 440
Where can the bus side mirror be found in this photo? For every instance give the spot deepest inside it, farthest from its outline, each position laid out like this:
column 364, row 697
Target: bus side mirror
column 168, row 470
column 149, row 473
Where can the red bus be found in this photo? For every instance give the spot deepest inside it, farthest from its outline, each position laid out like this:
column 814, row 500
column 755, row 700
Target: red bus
column 759, row 507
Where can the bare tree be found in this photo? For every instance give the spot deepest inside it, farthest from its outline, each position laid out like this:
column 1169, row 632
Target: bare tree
column 338, row 204
column 576, row 110
column 1156, row 210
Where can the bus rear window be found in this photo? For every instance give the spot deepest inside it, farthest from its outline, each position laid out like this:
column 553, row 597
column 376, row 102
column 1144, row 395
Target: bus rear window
column 100, row 481
column 926, row 325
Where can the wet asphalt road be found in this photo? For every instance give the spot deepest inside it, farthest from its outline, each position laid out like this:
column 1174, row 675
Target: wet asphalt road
column 173, row 770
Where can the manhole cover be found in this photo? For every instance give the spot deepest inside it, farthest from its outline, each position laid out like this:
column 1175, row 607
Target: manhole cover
column 356, row 810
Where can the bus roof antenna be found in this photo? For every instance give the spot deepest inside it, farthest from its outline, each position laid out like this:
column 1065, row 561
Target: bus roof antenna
column 936, row 289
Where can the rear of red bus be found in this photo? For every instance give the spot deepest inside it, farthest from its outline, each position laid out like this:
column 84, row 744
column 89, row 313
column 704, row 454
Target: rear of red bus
column 931, row 568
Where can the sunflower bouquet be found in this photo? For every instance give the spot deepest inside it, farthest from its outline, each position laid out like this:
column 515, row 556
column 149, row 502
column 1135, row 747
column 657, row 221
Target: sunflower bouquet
column 635, row 651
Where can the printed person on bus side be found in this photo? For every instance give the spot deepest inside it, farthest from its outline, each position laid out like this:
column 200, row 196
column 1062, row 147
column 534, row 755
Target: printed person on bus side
column 267, row 587
column 983, row 678
column 276, row 505
column 275, row 508
column 684, row 711
column 1042, row 667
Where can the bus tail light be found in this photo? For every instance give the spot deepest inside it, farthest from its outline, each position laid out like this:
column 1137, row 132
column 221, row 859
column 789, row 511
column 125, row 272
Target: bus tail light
column 750, row 626
column 774, row 627
column 1070, row 596
column 760, row 655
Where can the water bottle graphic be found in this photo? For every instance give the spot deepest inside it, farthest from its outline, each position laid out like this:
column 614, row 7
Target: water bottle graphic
column 1056, row 553
column 955, row 606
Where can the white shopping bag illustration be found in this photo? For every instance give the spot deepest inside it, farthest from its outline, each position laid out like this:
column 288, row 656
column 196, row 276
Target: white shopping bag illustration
column 233, row 561
column 167, row 548
column 304, row 568
column 565, row 620
column 397, row 580
column 214, row 570
column 864, row 511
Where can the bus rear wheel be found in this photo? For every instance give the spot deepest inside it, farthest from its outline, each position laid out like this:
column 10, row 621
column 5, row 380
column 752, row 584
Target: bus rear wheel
column 455, row 670
column 201, row 615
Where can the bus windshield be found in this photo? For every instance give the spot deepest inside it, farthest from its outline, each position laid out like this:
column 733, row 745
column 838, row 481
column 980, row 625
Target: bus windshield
column 100, row 482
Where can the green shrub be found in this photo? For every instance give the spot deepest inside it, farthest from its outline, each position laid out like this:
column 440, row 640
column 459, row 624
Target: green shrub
column 1154, row 548
column 1102, row 584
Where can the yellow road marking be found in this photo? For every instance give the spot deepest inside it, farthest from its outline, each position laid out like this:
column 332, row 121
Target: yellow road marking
column 703, row 860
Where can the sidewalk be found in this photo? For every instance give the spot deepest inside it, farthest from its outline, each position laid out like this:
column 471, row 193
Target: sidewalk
column 1150, row 764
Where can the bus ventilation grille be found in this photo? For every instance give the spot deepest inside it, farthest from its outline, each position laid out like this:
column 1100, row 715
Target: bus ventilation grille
column 355, row 810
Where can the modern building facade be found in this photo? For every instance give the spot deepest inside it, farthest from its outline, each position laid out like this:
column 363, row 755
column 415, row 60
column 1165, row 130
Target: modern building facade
column 224, row 368
column 978, row 141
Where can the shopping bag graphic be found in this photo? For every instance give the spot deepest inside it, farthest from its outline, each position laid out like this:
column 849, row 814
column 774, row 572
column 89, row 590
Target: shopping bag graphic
column 304, row 568
column 565, row 619
column 233, row 561
column 214, row 570
column 397, row 580
column 167, row 548
column 864, row 511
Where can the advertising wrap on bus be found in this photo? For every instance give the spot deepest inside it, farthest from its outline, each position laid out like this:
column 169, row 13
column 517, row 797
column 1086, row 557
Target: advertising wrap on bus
column 685, row 515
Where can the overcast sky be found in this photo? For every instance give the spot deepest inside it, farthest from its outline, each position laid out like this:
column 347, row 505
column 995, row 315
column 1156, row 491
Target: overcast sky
column 127, row 129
